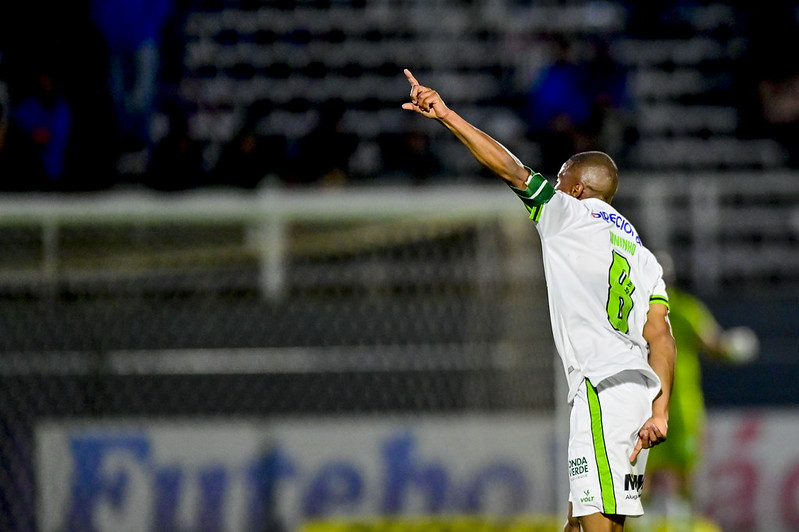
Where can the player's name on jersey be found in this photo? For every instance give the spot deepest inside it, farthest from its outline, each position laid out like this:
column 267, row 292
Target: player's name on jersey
column 622, row 243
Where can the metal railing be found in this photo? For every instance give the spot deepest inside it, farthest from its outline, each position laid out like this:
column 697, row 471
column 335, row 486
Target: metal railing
column 736, row 230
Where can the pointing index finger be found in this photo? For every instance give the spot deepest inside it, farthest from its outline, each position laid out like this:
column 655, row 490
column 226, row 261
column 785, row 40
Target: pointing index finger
column 411, row 79
column 638, row 447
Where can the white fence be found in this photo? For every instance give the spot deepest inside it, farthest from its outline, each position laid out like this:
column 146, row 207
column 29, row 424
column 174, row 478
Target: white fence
column 736, row 230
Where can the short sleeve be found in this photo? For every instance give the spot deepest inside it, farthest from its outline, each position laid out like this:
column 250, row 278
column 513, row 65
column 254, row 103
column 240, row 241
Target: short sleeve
column 659, row 294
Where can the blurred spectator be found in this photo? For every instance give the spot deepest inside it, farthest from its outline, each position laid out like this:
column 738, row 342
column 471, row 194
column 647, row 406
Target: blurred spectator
column 577, row 106
column 132, row 30
column 62, row 42
column 609, row 127
column 660, row 19
column 39, row 135
column 177, row 160
column 558, row 108
column 779, row 102
column 324, row 154
column 172, row 51
column 769, row 79
column 92, row 151
column 406, row 152
column 4, row 123
column 251, row 155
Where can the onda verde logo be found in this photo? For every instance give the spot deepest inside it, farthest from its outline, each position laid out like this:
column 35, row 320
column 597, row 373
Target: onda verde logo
column 578, row 466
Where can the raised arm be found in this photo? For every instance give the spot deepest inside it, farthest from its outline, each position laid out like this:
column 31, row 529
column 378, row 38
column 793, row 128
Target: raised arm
column 485, row 149
column 662, row 356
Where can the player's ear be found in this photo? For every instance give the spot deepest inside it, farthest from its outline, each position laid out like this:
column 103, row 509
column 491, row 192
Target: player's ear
column 577, row 190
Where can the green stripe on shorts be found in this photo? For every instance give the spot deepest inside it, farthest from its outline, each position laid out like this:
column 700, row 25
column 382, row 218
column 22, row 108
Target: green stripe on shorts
column 600, row 452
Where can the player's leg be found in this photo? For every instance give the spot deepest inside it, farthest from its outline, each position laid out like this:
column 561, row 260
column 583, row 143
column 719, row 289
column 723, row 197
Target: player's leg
column 600, row 522
column 604, row 486
column 572, row 523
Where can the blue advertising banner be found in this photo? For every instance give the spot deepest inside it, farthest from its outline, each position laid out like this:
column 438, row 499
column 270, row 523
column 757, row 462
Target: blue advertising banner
column 238, row 476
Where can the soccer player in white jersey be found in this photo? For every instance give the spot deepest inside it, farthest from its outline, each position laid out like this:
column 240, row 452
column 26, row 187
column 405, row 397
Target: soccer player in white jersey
column 609, row 312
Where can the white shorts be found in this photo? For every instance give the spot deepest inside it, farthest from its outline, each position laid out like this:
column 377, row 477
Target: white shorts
column 604, row 425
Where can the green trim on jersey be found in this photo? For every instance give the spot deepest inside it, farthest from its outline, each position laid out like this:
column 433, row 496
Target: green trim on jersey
column 663, row 300
column 538, row 192
column 535, row 213
column 600, row 451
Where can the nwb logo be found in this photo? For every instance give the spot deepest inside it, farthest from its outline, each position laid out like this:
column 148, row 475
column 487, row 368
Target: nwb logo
column 633, row 482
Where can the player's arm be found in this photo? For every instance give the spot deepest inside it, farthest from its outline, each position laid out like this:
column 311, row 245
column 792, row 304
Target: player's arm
column 485, row 149
column 662, row 356
column 738, row 344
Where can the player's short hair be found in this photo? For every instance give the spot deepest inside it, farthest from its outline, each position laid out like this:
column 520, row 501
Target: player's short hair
column 599, row 172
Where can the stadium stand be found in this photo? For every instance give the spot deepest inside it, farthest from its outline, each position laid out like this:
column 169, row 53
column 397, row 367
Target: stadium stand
column 484, row 54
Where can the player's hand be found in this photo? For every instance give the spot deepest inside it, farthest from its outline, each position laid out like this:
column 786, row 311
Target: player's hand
column 740, row 344
column 424, row 100
column 652, row 433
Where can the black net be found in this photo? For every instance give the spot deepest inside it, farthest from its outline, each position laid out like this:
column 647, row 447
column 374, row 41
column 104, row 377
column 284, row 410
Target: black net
column 181, row 320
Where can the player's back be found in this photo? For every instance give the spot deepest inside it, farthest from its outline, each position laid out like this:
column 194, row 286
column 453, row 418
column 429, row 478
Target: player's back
column 600, row 279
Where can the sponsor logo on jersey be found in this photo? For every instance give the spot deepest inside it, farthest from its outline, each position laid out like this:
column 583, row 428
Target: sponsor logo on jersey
column 578, row 467
column 620, row 222
column 587, row 497
column 633, row 482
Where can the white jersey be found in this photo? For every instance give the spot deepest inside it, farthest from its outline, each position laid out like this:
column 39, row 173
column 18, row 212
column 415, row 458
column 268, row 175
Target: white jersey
column 600, row 281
